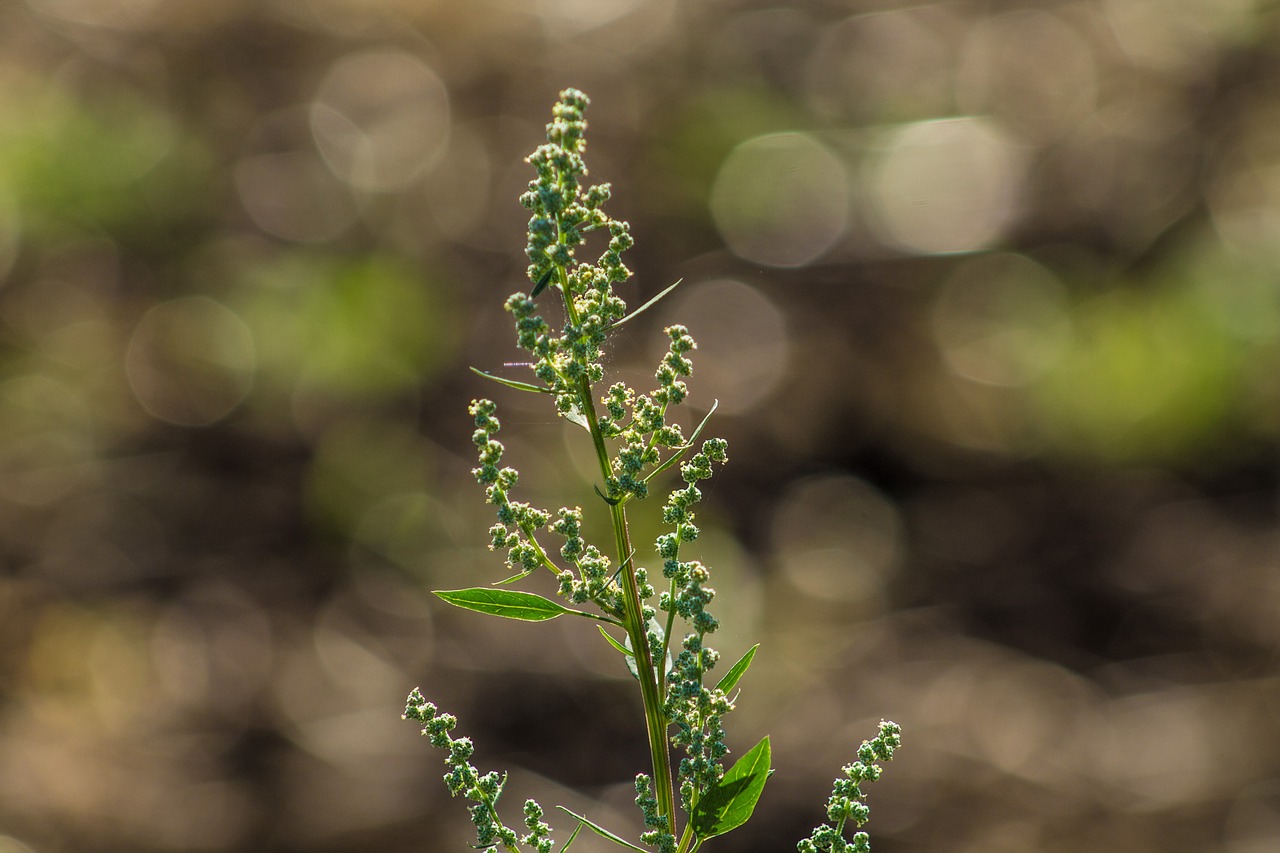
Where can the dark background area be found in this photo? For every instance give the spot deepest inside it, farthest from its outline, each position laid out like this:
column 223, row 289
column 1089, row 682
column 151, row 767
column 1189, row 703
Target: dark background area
column 989, row 295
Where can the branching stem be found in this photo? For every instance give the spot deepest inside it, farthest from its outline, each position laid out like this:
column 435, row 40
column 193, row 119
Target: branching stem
column 649, row 675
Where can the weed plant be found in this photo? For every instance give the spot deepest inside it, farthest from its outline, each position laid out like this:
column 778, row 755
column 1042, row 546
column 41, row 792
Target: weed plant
column 659, row 626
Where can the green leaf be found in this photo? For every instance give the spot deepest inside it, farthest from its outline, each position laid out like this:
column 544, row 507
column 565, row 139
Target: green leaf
column 737, row 670
column 542, row 282
column 574, row 416
column 512, row 383
column 619, row 646
column 513, row 604
column 601, row 831
column 647, row 305
column 715, row 404
column 571, row 838
column 515, row 578
column 509, row 603
column 729, row 804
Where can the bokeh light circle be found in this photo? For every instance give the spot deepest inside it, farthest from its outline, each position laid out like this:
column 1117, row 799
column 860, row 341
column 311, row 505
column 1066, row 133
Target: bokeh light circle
column 579, row 16
column 944, row 186
column 285, row 186
column 890, row 66
column 781, row 199
column 1001, row 319
column 114, row 15
column 1002, row 73
column 456, row 196
column 742, row 342
column 191, row 361
column 381, row 119
column 47, row 440
column 838, row 538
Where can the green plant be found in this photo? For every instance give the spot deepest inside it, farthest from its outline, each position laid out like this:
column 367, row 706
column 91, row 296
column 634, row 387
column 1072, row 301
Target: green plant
column 634, row 445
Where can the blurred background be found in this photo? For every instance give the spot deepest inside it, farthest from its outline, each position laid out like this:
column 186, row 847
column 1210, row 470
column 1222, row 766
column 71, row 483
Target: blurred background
column 989, row 295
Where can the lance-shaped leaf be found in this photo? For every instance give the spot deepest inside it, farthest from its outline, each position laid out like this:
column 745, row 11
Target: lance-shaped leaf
column 542, row 282
column 626, row 650
column 601, row 831
column 729, row 803
column 513, row 604
column 737, row 670
column 512, row 383
column 515, row 578
column 571, row 838
column 646, row 306
column 509, row 603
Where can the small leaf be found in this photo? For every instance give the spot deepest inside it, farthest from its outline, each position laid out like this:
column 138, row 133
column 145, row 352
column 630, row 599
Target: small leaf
column 715, row 404
column 619, row 646
column 737, row 670
column 542, row 282
column 730, row 802
column 515, row 578
column 574, row 416
column 571, row 838
column 508, row 603
column 624, row 563
column 601, row 831
column 646, row 306
column 512, row 383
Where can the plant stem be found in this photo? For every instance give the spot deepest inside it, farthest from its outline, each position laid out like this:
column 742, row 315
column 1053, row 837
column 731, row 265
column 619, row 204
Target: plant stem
column 648, row 674
column 655, row 719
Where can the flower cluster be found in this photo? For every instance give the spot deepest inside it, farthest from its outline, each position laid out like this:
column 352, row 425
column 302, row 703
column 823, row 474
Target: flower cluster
column 655, row 834
column 696, row 711
column 592, row 582
column 640, row 421
column 539, row 836
column 516, row 521
column 678, row 510
column 563, row 212
column 483, row 790
column 569, row 364
column 847, row 799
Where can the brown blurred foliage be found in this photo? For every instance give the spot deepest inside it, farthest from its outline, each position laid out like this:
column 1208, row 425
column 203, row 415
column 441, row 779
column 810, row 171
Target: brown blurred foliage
column 989, row 294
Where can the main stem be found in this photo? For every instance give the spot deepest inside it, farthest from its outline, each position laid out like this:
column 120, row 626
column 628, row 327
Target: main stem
column 654, row 717
column 649, row 676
